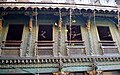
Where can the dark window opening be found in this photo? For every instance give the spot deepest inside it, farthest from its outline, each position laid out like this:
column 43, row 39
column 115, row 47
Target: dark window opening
column 104, row 33
column 15, row 32
column 14, row 35
column 45, row 33
column 74, row 34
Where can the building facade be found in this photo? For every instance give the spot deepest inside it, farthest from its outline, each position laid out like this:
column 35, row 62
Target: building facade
column 67, row 37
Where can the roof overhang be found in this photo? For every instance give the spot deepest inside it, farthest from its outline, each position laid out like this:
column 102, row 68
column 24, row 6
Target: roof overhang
column 33, row 5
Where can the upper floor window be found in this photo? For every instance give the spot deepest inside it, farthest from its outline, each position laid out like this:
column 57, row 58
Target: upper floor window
column 15, row 32
column 44, row 45
column 74, row 33
column 74, row 44
column 104, row 33
column 12, row 44
column 45, row 33
column 107, row 44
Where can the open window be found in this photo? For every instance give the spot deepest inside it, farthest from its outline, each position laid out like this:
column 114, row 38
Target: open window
column 45, row 33
column 107, row 44
column 104, row 33
column 74, row 34
column 11, row 46
column 44, row 45
column 75, row 44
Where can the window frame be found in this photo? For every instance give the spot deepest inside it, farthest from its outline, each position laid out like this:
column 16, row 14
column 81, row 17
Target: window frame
column 99, row 35
column 79, row 31
column 6, row 28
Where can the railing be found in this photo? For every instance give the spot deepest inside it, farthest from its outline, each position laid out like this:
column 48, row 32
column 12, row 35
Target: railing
column 108, row 47
column 11, row 48
column 44, row 48
column 75, row 47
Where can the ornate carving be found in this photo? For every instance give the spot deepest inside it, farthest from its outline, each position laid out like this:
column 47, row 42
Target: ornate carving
column 60, row 24
column 30, row 24
column 0, row 24
column 88, row 24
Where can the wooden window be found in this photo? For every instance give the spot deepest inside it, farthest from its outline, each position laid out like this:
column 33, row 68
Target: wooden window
column 75, row 44
column 107, row 44
column 74, row 34
column 13, row 40
column 45, row 33
column 44, row 45
column 104, row 33
column 15, row 32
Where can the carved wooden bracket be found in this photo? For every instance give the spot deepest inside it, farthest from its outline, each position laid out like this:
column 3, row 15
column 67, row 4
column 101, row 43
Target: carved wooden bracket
column 0, row 24
column 30, row 24
column 88, row 24
column 60, row 24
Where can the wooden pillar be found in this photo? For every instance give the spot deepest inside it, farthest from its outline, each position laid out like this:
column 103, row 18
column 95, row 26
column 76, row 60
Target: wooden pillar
column 30, row 24
column 0, row 24
column 29, row 37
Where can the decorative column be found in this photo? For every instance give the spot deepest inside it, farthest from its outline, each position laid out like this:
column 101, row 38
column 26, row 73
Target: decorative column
column 29, row 36
column 88, row 26
column 59, row 32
